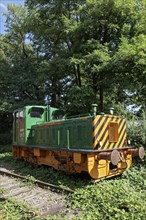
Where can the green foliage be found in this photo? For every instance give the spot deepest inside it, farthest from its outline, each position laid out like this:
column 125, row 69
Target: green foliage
column 6, row 155
column 6, row 138
column 122, row 197
column 30, row 181
column 82, row 100
column 5, row 127
column 2, row 190
column 136, row 129
column 119, row 198
column 11, row 209
column 51, row 48
column 136, row 133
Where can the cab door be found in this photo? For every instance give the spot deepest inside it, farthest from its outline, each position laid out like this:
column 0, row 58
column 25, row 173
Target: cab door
column 19, row 127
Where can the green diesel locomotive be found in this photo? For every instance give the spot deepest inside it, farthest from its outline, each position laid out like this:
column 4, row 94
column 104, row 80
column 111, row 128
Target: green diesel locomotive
column 95, row 144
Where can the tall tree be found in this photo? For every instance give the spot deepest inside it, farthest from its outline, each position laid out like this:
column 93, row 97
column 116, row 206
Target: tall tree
column 22, row 74
column 77, row 47
column 87, row 38
column 102, row 30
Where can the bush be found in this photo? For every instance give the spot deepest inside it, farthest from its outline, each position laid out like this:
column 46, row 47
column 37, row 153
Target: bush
column 5, row 148
column 136, row 130
column 5, row 138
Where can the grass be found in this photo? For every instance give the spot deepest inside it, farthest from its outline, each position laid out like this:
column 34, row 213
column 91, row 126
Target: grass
column 121, row 198
column 12, row 210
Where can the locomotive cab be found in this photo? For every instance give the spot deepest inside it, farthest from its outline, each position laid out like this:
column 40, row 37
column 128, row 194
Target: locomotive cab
column 23, row 119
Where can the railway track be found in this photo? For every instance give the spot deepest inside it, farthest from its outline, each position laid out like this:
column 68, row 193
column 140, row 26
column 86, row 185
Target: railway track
column 47, row 199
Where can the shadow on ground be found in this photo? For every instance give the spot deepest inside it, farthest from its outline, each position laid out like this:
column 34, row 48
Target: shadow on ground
column 43, row 173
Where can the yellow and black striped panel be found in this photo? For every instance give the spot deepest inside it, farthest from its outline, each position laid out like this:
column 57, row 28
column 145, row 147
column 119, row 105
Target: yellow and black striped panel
column 101, row 132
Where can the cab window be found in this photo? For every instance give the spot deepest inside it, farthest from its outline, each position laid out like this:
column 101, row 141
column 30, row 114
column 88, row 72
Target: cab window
column 36, row 112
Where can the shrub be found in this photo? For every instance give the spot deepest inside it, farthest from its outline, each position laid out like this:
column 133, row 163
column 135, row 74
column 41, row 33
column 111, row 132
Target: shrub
column 5, row 138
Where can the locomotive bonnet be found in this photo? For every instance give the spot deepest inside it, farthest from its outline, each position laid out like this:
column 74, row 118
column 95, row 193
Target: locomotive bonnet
column 96, row 144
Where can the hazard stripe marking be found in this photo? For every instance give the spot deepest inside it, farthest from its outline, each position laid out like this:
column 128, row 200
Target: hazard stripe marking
column 101, row 132
column 106, row 141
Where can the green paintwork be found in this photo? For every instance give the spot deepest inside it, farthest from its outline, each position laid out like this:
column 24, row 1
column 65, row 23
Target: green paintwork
column 31, row 121
column 21, row 132
column 23, row 121
column 51, row 110
column 49, row 131
column 69, row 134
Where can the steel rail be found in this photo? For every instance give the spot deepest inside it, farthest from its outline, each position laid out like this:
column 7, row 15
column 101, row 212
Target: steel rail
column 36, row 181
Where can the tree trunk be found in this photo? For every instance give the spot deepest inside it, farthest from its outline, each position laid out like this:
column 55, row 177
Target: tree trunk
column 101, row 98
column 79, row 75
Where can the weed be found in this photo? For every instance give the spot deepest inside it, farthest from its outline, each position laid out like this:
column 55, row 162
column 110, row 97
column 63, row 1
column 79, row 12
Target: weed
column 12, row 210
column 29, row 181
column 2, row 191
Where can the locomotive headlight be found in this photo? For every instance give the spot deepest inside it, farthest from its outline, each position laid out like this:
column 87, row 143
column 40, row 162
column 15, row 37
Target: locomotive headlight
column 128, row 142
column 100, row 143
